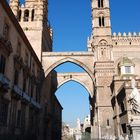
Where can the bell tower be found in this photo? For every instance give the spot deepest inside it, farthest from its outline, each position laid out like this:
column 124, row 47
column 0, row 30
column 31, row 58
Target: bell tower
column 101, row 42
column 33, row 18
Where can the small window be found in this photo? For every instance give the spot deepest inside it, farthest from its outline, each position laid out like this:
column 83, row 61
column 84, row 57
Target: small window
column 2, row 64
column 127, row 69
column 100, row 22
column 108, row 123
column 33, row 13
column 100, row 3
column 103, row 21
column 19, row 15
column 26, row 15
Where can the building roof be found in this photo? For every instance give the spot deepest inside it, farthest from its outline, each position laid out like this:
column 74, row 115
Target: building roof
column 126, row 62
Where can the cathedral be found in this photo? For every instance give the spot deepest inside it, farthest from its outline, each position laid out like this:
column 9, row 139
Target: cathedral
column 116, row 72
column 29, row 108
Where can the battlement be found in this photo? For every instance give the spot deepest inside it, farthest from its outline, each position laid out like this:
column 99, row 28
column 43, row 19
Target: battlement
column 134, row 34
column 126, row 39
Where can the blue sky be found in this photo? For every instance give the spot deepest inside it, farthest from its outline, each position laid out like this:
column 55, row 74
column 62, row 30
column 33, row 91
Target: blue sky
column 71, row 23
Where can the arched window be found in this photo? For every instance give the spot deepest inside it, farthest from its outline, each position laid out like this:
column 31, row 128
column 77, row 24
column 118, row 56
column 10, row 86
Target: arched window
column 26, row 15
column 33, row 14
column 100, row 3
column 101, row 21
column 19, row 15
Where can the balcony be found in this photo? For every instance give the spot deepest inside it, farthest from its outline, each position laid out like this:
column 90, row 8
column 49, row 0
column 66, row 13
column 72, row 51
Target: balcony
column 26, row 97
column 17, row 91
column 4, row 83
column 35, row 104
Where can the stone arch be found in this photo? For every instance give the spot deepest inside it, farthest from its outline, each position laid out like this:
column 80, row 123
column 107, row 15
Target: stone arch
column 72, row 60
column 80, row 82
column 103, row 42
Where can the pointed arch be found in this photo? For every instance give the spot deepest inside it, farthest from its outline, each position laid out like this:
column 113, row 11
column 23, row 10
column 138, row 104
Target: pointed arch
column 72, row 60
column 77, row 81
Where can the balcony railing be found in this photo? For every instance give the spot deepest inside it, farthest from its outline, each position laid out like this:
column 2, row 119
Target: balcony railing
column 34, row 103
column 17, row 90
column 4, row 81
column 26, row 97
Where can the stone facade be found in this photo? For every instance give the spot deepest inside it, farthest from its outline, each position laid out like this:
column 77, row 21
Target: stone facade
column 111, row 67
column 29, row 109
column 20, row 80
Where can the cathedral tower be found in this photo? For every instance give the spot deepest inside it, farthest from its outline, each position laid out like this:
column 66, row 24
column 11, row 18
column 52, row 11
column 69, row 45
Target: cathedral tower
column 101, row 45
column 33, row 18
column 101, row 42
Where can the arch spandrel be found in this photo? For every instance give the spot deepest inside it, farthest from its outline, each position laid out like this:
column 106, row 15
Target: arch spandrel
column 83, row 59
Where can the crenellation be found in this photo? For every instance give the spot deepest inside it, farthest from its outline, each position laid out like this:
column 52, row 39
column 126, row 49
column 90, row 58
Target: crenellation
column 126, row 39
column 129, row 34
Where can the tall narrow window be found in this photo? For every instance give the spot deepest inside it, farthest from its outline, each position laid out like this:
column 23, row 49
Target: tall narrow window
column 127, row 69
column 33, row 14
column 99, row 3
column 108, row 122
column 2, row 64
column 102, row 3
column 100, row 22
column 26, row 15
column 103, row 21
column 19, row 15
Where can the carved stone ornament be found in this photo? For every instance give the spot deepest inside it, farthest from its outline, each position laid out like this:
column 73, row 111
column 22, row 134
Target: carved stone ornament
column 134, row 99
